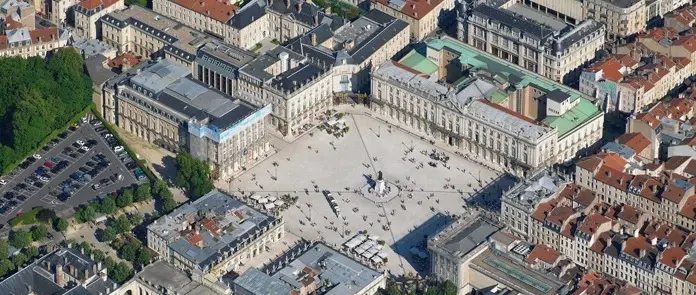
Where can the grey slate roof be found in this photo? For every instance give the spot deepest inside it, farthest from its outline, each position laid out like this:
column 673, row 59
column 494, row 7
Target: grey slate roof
column 97, row 71
column 470, row 237
column 257, row 282
column 223, row 58
column 296, row 77
column 340, row 274
column 247, row 15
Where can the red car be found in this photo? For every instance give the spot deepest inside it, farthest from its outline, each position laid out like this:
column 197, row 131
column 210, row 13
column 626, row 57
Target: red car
column 48, row 164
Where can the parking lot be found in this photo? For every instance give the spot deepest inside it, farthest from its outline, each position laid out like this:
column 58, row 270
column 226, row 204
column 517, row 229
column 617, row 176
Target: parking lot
column 426, row 186
column 76, row 167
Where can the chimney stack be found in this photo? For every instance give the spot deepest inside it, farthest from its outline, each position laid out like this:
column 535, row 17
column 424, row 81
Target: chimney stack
column 59, row 275
column 314, row 39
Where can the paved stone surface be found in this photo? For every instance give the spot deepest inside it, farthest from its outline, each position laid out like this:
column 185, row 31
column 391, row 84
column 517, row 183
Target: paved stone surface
column 342, row 165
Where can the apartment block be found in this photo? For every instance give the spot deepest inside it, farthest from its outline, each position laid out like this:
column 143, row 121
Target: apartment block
column 214, row 234
column 628, row 85
column 462, row 96
column 25, row 42
column 161, row 103
column 151, row 35
column 667, row 126
column 533, row 40
column 422, row 17
column 88, row 13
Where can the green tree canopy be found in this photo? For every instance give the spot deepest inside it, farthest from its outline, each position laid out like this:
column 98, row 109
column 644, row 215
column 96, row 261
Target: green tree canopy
column 143, row 258
column 19, row 259
column 20, row 239
column 129, row 251
column 122, row 224
column 142, row 193
column 125, row 199
column 119, row 272
column 108, row 234
column 136, row 218
column 193, row 175
column 31, row 251
column 107, row 205
column 4, row 249
column 46, row 215
column 158, row 187
column 39, row 96
column 60, row 224
column 85, row 214
column 168, row 204
column 6, row 266
column 38, row 232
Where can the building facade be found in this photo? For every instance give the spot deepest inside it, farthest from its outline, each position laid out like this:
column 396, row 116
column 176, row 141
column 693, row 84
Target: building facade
column 423, row 17
column 26, row 43
column 558, row 53
column 163, row 105
column 88, row 13
column 520, row 131
column 214, row 234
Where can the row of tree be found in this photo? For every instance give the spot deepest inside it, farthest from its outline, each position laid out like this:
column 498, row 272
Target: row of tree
column 10, row 264
column 435, row 288
column 109, row 204
column 120, row 225
column 38, row 96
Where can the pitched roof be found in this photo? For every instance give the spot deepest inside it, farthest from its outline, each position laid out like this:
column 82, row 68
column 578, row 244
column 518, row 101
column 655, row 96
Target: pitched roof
column 675, row 162
column 637, row 141
column 414, row 8
column 217, row 10
column 611, row 69
column 92, row 4
column 543, row 253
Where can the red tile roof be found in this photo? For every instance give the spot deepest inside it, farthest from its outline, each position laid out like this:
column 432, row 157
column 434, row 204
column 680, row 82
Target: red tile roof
column 671, row 256
column 629, row 214
column 43, row 35
column 633, row 245
column 543, row 209
column 559, row 214
column 637, row 141
column 415, row 8
column 673, row 193
column 675, row 162
column 646, row 187
column 688, row 42
column 611, row 69
column 591, row 223
column 92, row 4
column 543, row 253
column 217, row 10
column 613, row 160
column 590, row 163
column 613, row 177
column 126, row 58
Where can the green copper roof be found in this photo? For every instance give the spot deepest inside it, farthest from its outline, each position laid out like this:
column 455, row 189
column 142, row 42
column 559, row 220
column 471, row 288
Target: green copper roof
column 419, row 63
column 505, row 71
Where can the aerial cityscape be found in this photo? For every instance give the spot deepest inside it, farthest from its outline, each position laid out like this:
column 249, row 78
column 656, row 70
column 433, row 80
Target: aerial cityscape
column 347, row 147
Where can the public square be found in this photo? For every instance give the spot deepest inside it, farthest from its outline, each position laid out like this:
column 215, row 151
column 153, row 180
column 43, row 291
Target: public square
column 422, row 199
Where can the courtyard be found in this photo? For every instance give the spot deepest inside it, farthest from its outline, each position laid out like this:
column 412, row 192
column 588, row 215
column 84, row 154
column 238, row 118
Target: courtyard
column 424, row 191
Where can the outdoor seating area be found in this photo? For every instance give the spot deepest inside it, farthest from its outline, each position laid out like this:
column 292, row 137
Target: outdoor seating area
column 367, row 248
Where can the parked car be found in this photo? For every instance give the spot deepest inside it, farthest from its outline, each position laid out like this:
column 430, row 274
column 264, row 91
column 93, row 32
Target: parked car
column 48, row 164
column 37, row 156
column 118, row 148
column 3, row 182
column 80, row 142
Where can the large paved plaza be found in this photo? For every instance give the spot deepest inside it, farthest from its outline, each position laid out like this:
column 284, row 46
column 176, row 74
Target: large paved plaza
column 427, row 194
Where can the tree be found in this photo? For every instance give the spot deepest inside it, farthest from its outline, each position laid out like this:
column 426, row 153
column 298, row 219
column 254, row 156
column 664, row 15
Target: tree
column 143, row 258
column 168, row 204
column 193, row 175
column 45, row 215
column 108, row 234
column 86, row 247
column 38, row 232
column 98, row 255
column 142, row 193
column 4, row 249
column 60, row 224
column 6, row 266
column 122, row 224
column 125, row 199
column 142, row 3
column 31, row 251
column 85, row 214
column 20, row 239
column 107, row 205
column 158, row 187
column 449, row 288
column 136, row 218
column 120, row 272
column 392, row 289
column 129, row 251
column 19, row 259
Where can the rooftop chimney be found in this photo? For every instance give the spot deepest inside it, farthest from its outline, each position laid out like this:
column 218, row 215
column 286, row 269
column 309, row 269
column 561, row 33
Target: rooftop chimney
column 314, row 39
column 59, row 275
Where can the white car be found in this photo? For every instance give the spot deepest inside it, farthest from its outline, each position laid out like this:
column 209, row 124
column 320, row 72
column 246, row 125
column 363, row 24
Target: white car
column 118, row 149
column 108, row 135
column 2, row 182
column 37, row 156
column 97, row 124
column 85, row 148
column 44, row 178
column 80, row 142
